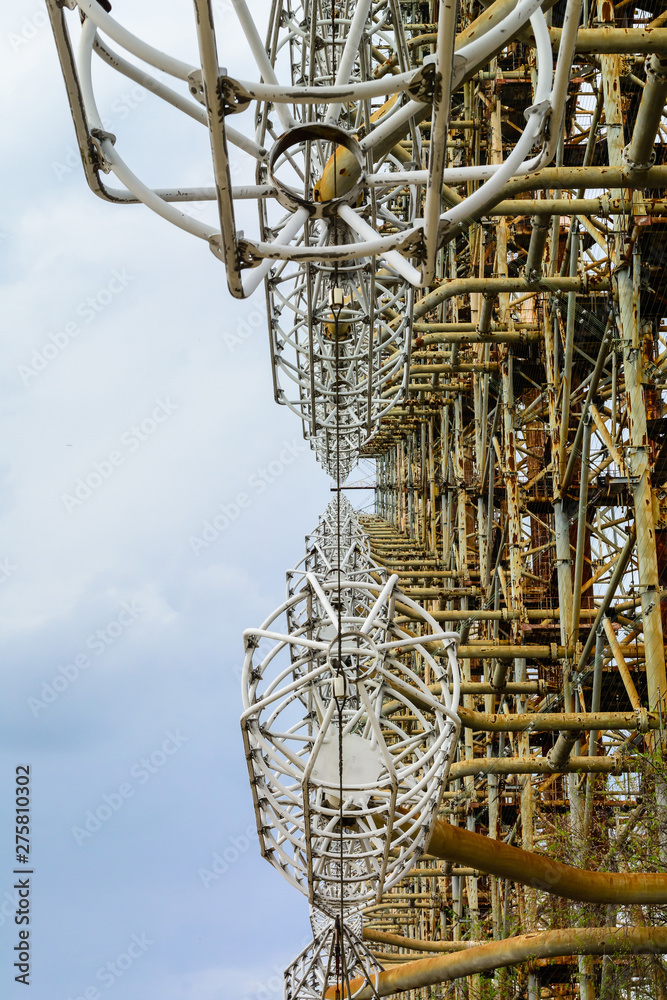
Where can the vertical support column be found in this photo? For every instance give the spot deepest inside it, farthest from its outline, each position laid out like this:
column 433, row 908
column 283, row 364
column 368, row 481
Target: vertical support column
column 512, row 493
column 459, row 476
column 638, row 453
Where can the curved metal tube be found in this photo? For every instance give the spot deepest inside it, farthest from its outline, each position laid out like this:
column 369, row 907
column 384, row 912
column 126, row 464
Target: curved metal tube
column 497, row 858
column 416, row 944
column 499, row 954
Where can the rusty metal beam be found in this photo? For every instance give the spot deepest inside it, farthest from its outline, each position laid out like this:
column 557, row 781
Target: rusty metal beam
column 452, row 843
column 498, row 954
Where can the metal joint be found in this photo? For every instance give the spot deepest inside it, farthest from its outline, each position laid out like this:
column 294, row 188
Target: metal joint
column 196, row 86
column 235, row 97
column 635, row 167
column 98, row 136
column 655, row 68
column 423, row 84
column 247, row 255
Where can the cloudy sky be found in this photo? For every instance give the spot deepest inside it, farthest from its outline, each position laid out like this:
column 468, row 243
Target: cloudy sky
column 136, row 406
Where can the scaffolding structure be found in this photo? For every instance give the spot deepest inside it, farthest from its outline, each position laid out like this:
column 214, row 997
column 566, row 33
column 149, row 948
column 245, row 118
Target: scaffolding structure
column 462, row 236
column 521, row 487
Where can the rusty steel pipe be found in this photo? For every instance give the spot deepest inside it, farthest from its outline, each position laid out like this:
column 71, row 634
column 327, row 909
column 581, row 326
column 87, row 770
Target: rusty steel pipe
column 541, row 226
column 559, row 755
column 493, row 286
column 590, row 395
column 480, row 766
column 601, row 206
column 619, row 569
column 399, row 941
column 504, row 615
column 587, row 177
column 541, row 722
column 500, row 954
column 616, row 41
column 639, row 154
column 485, row 315
column 451, row 843
column 626, row 676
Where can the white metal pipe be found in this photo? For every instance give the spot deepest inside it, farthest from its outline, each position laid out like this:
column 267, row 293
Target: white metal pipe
column 436, row 161
column 492, row 189
column 396, row 120
column 119, row 167
column 144, row 79
column 382, row 597
column 350, row 53
column 84, row 66
column 152, row 200
column 380, row 246
column 393, row 258
column 191, row 108
column 479, row 50
column 261, row 58
column 543, row 89
column 363, row 90
column 252, row 278
column 475, row 51
column 125, row 38
column 561, row 83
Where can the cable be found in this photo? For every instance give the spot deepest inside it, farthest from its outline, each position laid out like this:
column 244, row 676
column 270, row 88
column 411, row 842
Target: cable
column 336, row 308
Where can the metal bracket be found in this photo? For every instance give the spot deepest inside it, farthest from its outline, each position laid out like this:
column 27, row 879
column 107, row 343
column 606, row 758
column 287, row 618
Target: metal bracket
column 98, row 136
column 633, row 165
column 423, row 83
column 196, row 85
column 247, row 255
column 236, row 98
column 642, row 720
column 537, row 109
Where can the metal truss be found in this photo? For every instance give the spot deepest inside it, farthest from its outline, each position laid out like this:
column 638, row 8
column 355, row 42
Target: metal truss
column 336, row 955
column 461, row 224
column 339, row 198
column 347, row 747
column 333, row 363
column 339, row 123
column 337, row 545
